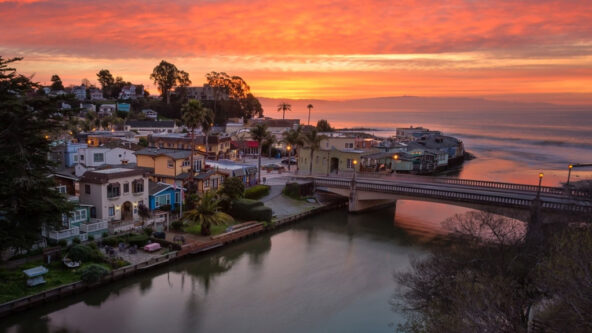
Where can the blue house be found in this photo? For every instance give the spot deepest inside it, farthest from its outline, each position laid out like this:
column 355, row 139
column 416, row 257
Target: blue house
column 161, row 194
column 71, row 157
column 124, row 107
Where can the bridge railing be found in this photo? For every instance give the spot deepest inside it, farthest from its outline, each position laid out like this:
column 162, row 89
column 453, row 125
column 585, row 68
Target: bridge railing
column 511, row 186
column 448, row 195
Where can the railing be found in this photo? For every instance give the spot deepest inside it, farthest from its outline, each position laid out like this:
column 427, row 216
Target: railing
column 94, row 225
column 119, row 226
column 63, row 234
column 496, row 199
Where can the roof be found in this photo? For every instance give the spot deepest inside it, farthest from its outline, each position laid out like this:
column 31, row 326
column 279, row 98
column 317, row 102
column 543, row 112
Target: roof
column 104, row 176
column 176, row 154
column 155, row 188
column 205, row 175
column 199, row 139
column 67, row 173
column 151, row 124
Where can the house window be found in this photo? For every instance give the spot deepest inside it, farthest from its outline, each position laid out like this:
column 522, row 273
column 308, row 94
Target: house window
column 350, row 163
column 98, row 157
column 111, row 211
column 75, row 158
column 138, row 186
column 197, row 164
column 177, row 197
column 349, row 145
column 125, row 187
column 82, row 157
column 206, row 183
column 87, row 188
column 170, row 164
column 78, row 215
column 140, row 203
column 113, row 190
column 215, row 183
column 62, row 189
column 186, row 163
column 161, row 200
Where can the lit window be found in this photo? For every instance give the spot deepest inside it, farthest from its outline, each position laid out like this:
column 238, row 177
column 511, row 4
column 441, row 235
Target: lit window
column 170, row 164
column 111, row 211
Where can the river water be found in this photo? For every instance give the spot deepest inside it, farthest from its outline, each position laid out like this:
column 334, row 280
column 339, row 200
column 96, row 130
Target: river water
column 332, row 272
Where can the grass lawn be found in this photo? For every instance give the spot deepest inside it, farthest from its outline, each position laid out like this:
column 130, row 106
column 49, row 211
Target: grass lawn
column 215, row 229
column 13, row 282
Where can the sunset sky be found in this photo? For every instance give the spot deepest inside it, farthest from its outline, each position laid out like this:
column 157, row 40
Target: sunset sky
column 520, row 50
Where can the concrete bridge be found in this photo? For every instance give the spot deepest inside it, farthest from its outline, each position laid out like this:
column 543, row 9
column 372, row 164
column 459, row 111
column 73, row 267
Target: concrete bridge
column 508, row 199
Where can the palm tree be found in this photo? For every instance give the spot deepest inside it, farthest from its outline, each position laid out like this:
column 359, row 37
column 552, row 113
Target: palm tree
column 206, row 213
column 206, row 125
column 309, row 106
column 284, row 107
column 259, row 133
column 313, row 140
column 192, row 117
column 293, row 138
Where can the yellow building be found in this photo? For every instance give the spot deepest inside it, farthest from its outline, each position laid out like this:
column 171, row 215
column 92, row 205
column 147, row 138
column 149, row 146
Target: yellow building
column 330, row 161
column 170, row 166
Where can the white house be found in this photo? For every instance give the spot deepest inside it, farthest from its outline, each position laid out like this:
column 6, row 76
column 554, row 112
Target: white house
column 107, row 110
column 115, row 195
column 79, row 92
column 93, row 157
column 96, row 94
column 150, row 114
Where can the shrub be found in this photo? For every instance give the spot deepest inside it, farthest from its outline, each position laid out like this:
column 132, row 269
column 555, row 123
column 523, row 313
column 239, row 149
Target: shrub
column 297, row 191
column 148, row 231
column 261, row 213
column 139, row 240
column 91, row 238
column 83, row 253
column 76, row 240
column 257, row 191
column 248, row 209
column 233, row 188
column 63, row 243
column 177, row 225
column 105, row 234
column 93, row 273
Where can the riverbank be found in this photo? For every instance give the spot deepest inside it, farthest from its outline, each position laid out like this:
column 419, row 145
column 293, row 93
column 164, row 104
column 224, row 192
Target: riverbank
column 248, row 230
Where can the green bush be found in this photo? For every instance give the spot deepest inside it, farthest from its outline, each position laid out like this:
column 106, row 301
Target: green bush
column 83, row 253
column 93, row 273
column 105, row 234
column 76, row 240
column 91, row 238
column 257, row 191
column 233, row 188
column 63, row 243
column 148, row 231
column 247, row 209
column 177, row 225
column 139, row 240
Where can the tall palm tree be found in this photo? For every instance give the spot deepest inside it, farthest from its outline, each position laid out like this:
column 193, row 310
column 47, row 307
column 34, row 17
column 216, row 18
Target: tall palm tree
column 259, row 133
column 284, row 107
column 192, row 117
column 206, row 213
column 313, row 141
column 269, row 141
column 293, row 138
column 206, row 125
column 309, row 106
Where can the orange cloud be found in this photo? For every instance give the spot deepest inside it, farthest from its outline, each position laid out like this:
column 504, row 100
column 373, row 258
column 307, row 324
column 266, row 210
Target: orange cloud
column 323, row 48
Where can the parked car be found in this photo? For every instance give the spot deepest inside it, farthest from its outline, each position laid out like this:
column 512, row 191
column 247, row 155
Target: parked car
column 291, row 161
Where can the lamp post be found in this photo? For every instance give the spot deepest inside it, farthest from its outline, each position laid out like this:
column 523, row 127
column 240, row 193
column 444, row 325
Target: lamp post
column 355, row 162
column 568, row 174
column 395, row 158
column 289, row 149
column 539, row 189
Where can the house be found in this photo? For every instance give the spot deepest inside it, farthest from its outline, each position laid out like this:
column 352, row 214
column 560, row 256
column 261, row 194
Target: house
column 99, row 138
column 277, row 127
column 247, row 173
column 162, row 194
column 96, row 94
column 233, row 125
column 150, row 114
column 412, row 133
column 387, row 161
column 209, row 180
column 115, row 195
column 106, row 110
column 330, row 161
column 66, row 181
column 131, row 91
column 145, row 127
column 76, row 225
column 170, row 166
column 218, row 146
column 65, row 154
column 94, row 157
column 123, row 107
column 79, row 92
column 204, row 93
column 87, row 107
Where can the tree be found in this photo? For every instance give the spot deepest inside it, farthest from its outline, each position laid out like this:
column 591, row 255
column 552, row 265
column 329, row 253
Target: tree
column 309, row 107
column 283, row 107
column 313, row 141
column 106, row 81
column 192, row 117
column 251, row 107
column 219, row 82
column 167, row 76
column 233, row 188
column 324, row 126
column 28, row 199
column 206, row 213
column 259, row 133
column 56, row 83
column 144, row 212
column 480, row 281
column 293, row 138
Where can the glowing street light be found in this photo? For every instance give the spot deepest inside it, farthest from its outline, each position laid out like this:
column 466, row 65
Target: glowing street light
column 289, row 148
column 540, row 182
column 396, row 157
column 355, row 162
column 569, row 174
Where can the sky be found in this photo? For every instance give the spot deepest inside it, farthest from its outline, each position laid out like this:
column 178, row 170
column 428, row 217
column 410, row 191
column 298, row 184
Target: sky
column 528, row 50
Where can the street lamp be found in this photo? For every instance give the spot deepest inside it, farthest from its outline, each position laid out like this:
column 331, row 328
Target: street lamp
column 569, row 174
column 540, row 181
column 355, row 162
column 289, row 148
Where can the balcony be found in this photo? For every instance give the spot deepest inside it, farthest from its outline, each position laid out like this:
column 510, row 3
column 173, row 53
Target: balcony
column 94, row 225
column 66, row 234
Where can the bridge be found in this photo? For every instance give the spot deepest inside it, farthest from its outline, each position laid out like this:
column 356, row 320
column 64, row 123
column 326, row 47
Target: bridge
column 508, row 199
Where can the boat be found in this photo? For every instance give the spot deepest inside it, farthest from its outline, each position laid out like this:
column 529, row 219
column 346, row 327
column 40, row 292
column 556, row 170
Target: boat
column 70, row 263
